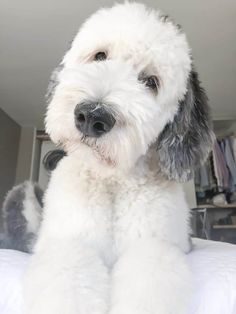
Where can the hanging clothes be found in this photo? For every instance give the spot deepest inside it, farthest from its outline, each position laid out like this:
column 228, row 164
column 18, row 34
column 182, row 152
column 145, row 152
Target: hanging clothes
column 220, row 167
column 218, row 174
column 233, row 143
column 230, row 162
column 203, row 178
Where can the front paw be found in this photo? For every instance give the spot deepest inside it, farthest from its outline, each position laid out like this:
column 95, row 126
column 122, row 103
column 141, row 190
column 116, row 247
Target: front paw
column 65, row 304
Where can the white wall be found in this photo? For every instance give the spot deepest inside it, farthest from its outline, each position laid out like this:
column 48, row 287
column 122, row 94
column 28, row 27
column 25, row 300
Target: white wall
column 9, row 143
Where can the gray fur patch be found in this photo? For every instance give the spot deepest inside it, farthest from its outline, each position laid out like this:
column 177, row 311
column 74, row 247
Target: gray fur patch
column 52, row 158
column 167, row 19
column 16, row 236
column 15, row 222
column 184, row 144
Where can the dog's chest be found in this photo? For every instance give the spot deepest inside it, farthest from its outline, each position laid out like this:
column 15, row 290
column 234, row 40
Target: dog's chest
column 137, row 210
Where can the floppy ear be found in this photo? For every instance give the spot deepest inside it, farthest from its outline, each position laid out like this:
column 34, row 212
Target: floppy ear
column 185, row 142
column 53, row 83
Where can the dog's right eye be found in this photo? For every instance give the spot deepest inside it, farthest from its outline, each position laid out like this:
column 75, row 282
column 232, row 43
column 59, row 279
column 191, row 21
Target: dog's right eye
column 100, row 56
column 151, row 82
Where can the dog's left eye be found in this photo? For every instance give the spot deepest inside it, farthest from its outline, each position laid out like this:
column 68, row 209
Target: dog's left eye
column 151, row 82
column 100, row 56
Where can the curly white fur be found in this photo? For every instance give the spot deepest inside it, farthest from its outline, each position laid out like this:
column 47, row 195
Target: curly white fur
column 115, row 231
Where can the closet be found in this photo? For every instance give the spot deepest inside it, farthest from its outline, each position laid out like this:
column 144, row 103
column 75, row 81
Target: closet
column 215, row 187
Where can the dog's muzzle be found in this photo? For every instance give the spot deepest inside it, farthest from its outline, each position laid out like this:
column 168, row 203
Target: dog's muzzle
column 93, row 120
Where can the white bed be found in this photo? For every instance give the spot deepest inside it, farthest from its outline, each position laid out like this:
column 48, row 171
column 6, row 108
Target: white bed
column 213, row 265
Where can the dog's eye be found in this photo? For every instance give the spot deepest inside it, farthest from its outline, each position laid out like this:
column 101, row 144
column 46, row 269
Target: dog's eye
column 151, row 82
column 100, row 56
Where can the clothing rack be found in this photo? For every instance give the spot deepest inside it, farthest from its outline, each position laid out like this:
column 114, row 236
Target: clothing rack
column 219, row 172
column 213, row 215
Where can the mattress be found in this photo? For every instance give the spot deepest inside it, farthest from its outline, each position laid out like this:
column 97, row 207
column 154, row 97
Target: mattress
column 213, row 265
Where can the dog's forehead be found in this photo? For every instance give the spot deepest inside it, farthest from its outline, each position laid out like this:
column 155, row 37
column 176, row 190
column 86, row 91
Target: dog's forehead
column 128, row 25
column 129, row 31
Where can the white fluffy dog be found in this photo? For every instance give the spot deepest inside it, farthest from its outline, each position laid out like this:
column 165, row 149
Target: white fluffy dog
column 126, row 105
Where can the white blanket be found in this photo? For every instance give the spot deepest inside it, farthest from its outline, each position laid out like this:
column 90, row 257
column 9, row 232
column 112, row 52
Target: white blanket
column 213, row 265
column 214, row 268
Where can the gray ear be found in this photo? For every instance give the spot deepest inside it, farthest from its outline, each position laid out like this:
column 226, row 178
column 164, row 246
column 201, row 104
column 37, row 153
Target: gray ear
column 185, row 142
column 53, row 83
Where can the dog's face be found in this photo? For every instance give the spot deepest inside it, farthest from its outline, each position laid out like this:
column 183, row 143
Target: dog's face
column 127, row 83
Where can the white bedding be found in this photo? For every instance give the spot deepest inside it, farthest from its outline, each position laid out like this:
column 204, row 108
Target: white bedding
column 214, row 268
column 213, row 265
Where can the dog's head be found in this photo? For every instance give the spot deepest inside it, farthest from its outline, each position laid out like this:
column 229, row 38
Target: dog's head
column 126, row 84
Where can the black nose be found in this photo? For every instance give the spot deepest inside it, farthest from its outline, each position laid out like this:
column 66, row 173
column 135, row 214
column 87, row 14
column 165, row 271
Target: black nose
column 93, row 120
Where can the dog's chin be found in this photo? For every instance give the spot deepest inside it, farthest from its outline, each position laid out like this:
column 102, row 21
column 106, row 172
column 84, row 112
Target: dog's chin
column 91, row 151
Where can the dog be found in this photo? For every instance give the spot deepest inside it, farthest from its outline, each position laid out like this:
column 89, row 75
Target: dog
column 127, row 107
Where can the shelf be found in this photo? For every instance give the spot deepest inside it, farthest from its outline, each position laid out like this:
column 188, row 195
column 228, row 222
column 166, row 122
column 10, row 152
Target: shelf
column 217, row 206
column 224, row 226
